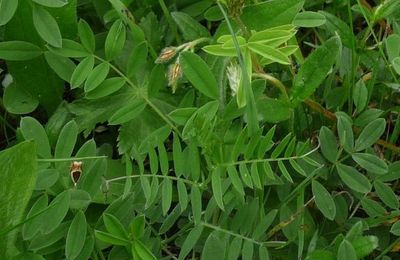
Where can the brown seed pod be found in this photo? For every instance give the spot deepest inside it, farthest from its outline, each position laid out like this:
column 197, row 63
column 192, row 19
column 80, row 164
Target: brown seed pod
column 76, row 172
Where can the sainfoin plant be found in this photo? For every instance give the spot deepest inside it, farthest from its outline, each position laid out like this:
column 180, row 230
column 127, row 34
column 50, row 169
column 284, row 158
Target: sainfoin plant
column 187, row 129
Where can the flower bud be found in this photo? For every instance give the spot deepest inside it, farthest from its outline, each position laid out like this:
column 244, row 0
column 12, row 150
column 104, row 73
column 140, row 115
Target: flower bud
column 166, row 54
column 174, row 74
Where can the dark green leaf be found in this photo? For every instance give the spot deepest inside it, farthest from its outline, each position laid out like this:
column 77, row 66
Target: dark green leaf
column 18, row 50
column 353, row 179
column 199, row 74
column 324, row 200
column 370, row 134
column 76, row 236
column 46, row 26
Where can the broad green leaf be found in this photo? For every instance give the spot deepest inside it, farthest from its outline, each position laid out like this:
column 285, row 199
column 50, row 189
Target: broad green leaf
column 17, row 101
column 51, row 3
column 190, row 241
column 364, row 245
column 80, row 199
column 386, row 194
column 46, row 178
column 76, row 236
column 106, row 88
column 345, row 131
column 273, row 110
column 182, row 195
column 386, row 9
column 137, row 226
column 177, row 156
column 324, row 200
column 166, row 195
column 18, row 50
column 115, row 40
column 86, row 36
column 335, row 25
column 199, row 74
column 66, row 141
column 195, row 200
column 309, row 19
column 7, row 10
column 190, row 28
column 235, row 248
column 163, row 156
column 216, row 186
column 136, row 65
column 372, row 207
column 255, row 176
column 18, row 168
column 328, row 144
column 396, row 64
column 320, row 254
column 263, row 253
column 194, row 161
column 234, row 178
column 219, row 50
column 370, row 134
column 143, row 251
column 392, row 44
column 62, row 66
column 32, row 129
column 56, row 213
column 245, row 174
column 114, row 226
column 82, row 71
column 264, row 224
column 371, row 163
column 284, row 171
column 314, row 69
column 360, row 95
column 42, row 241
column 269, row 52
column 112, row 239
column 128, row 112
column 346, row 251
column 279, row 12
column 70, row 49
column 272, row 37
column 97, row 76
column 32, row 227
column 353, row 179
column 395, row 229
column 247, row 250
column 46, row 26
column 214, row 248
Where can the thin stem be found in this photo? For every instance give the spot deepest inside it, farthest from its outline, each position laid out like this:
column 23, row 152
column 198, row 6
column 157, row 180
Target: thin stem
column 231, row 233
column 377, row 41
column 170, row 21
column 151, row 104
column 271, row 159
column 276, row 82
column 71, row 159
column 154, row 176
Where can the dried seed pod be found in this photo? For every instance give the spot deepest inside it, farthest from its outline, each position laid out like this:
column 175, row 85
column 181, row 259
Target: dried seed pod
column 76, row 171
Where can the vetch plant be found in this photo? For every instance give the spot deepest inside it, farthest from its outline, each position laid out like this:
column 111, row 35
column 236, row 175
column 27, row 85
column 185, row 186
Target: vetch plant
column 172, row 129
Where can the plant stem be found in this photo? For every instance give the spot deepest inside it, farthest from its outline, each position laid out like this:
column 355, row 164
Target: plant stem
column 170, row 21
column 154, row 176
column 71, row 159
column 148, row 101
column 276, row 82
column 270, row 159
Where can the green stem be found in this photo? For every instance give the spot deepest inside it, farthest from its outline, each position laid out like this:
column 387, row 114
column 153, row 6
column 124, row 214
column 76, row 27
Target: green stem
column 148, row 101
column 276, row 82
column 270, row 159
column 170, row 21
column 155, row 176
column 231, row 233
column 71, row 159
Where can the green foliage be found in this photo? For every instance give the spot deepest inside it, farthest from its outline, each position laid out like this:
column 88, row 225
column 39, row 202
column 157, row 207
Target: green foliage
column 231, row 129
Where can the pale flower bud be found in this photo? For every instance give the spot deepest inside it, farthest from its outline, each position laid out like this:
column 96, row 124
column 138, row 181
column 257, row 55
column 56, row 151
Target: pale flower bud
column 234, row 74
column 166, row 54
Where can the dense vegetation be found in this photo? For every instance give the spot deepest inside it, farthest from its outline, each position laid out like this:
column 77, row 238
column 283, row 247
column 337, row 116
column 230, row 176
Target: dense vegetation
column 188, row 129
